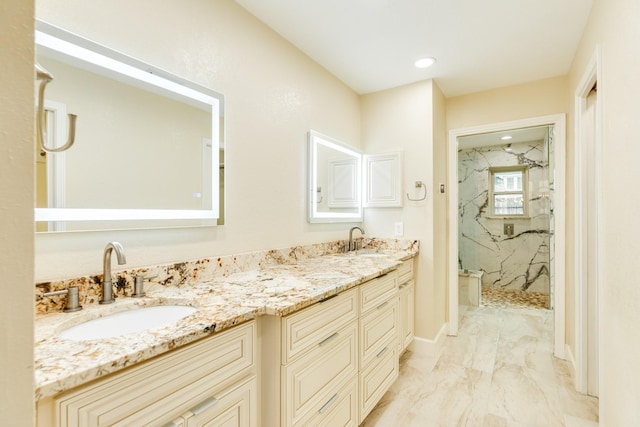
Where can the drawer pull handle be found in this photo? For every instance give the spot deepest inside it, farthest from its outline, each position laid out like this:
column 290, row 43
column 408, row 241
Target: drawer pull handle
column 329, row 403
column 383, row 351
column 327, row 339
column 327, row 299
column 382, row 305
column 204, row 405
column 171, row 424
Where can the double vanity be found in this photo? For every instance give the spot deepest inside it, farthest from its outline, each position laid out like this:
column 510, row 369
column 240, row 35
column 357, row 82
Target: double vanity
column 305, row 337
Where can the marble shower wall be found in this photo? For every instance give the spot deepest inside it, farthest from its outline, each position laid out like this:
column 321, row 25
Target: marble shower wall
column 521, row 261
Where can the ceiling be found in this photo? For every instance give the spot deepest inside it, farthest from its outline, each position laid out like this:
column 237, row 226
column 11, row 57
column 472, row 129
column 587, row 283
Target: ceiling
column 531, row 134
column 371, row 45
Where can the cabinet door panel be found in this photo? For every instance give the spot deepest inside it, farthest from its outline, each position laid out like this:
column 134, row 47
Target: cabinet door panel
column 340, row 410
column 313, row 379
column 161, row 389
column 377, row 377
column 376, row 328
column 235, row 408
column 405, row 271
column 377, row 291
column 304, row 329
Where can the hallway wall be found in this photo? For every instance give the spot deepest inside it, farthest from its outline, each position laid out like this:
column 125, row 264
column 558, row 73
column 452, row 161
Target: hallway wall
column 17, row 185
column 615, row 26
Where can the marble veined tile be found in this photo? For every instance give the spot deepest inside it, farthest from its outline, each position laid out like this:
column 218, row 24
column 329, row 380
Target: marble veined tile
column 477, row 351
column 571, row 421
column 526, row 387
column 452, row 396
column 573, row 403
column 522, row 395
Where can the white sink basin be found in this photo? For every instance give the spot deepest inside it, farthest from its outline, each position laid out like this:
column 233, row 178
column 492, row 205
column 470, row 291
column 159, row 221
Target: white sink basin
column 371, row 254
column 127, row 322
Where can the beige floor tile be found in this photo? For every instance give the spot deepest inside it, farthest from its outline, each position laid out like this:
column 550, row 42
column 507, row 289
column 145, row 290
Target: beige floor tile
column 498, row 372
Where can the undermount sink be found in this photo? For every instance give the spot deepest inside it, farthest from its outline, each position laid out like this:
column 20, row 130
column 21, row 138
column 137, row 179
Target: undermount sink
column 127, row 322
column 371, row 254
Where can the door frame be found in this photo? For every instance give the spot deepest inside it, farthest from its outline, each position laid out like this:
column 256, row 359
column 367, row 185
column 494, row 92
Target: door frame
column 591, row 76
column 558, row 121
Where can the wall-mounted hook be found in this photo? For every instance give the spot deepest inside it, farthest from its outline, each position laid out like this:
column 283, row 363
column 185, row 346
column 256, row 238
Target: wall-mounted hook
column 418, row 185
column 45, row 77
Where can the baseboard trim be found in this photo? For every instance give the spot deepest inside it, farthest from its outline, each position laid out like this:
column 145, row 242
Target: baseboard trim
column 426, row 347
column 568, row 356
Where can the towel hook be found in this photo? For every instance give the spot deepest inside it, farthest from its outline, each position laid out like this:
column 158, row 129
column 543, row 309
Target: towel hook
column 45, row 77
column 418, row 185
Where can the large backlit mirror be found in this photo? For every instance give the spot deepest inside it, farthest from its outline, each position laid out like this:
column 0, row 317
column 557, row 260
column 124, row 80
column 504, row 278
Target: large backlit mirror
column 335, row 171
column 149, row 146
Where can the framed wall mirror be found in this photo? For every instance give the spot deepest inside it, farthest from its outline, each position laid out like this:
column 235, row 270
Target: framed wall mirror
column 149, row 145
column 335, row 186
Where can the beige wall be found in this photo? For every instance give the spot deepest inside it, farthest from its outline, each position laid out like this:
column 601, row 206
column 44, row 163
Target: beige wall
column 615, row 24
column 274, row 94
column 411, row 119
column 17, row 182
column 535, row 99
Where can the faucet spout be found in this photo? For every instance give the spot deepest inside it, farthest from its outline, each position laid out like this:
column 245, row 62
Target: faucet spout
column 352, row 246
column 107, row 288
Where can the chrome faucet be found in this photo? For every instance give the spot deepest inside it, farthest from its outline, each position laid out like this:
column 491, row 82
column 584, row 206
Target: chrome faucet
column 352, row 246
column 107, row 289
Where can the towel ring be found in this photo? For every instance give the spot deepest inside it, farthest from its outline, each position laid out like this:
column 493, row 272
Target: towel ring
column 45, row 77
column 418, row 185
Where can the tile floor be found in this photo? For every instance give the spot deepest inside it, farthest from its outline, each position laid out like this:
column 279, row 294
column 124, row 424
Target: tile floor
column 499, row 372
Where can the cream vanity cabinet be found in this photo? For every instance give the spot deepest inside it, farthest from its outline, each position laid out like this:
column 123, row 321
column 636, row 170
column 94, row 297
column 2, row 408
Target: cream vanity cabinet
column 211, row 382
column 406, row 299
column 310, row 365
column 329, row 364
column 378, row 339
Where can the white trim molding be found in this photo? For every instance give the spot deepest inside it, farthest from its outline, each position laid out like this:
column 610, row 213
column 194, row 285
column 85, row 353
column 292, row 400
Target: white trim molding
column 431, row 348
column 591, row 77
column 558, row 121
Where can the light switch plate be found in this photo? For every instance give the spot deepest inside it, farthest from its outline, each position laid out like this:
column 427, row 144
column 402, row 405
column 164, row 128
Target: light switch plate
column 398, row 228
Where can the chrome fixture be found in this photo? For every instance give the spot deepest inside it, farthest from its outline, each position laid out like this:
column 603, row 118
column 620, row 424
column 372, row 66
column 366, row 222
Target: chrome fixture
column 419, row 184
column 353, row 245
column 138, row 290
column 45, row 77
column 107, row 289
column 72, row 303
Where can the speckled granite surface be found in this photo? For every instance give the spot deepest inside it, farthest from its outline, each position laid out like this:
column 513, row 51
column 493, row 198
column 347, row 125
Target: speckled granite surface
column 287, row 282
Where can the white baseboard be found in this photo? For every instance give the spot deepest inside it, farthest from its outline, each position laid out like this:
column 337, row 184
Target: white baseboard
column 572, row 361
column 426, row 347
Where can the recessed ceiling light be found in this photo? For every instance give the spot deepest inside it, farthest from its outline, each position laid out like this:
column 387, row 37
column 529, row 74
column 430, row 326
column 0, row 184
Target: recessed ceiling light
column 425, row 62
column 506, row 137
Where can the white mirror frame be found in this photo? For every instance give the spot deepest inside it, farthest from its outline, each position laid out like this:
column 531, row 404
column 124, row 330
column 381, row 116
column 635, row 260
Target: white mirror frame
column 130, row 69
column 314, row 216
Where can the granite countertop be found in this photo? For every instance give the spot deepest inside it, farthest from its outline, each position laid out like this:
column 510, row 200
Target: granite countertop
column 221, row 303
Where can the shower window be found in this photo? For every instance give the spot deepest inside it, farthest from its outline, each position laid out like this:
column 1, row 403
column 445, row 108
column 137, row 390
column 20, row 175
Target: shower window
column 508, row 191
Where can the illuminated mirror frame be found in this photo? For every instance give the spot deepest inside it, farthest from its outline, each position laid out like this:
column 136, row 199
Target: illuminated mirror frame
column 114, row 64
column 317, row 139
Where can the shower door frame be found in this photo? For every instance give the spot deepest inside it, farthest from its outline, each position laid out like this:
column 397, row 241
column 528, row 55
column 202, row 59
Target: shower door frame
column 558, row 121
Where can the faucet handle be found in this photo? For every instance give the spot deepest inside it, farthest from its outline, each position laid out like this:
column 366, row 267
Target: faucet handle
column 72, row 303
column 138, row 291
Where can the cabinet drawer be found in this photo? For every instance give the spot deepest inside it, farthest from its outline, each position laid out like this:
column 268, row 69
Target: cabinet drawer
column 161, row 389
column 306, row 328
column 377, row 377
column 378, row 327
column 405, row 271
column 340, row 410
column 234, row 408
column 376, row 291
column 310, row 381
